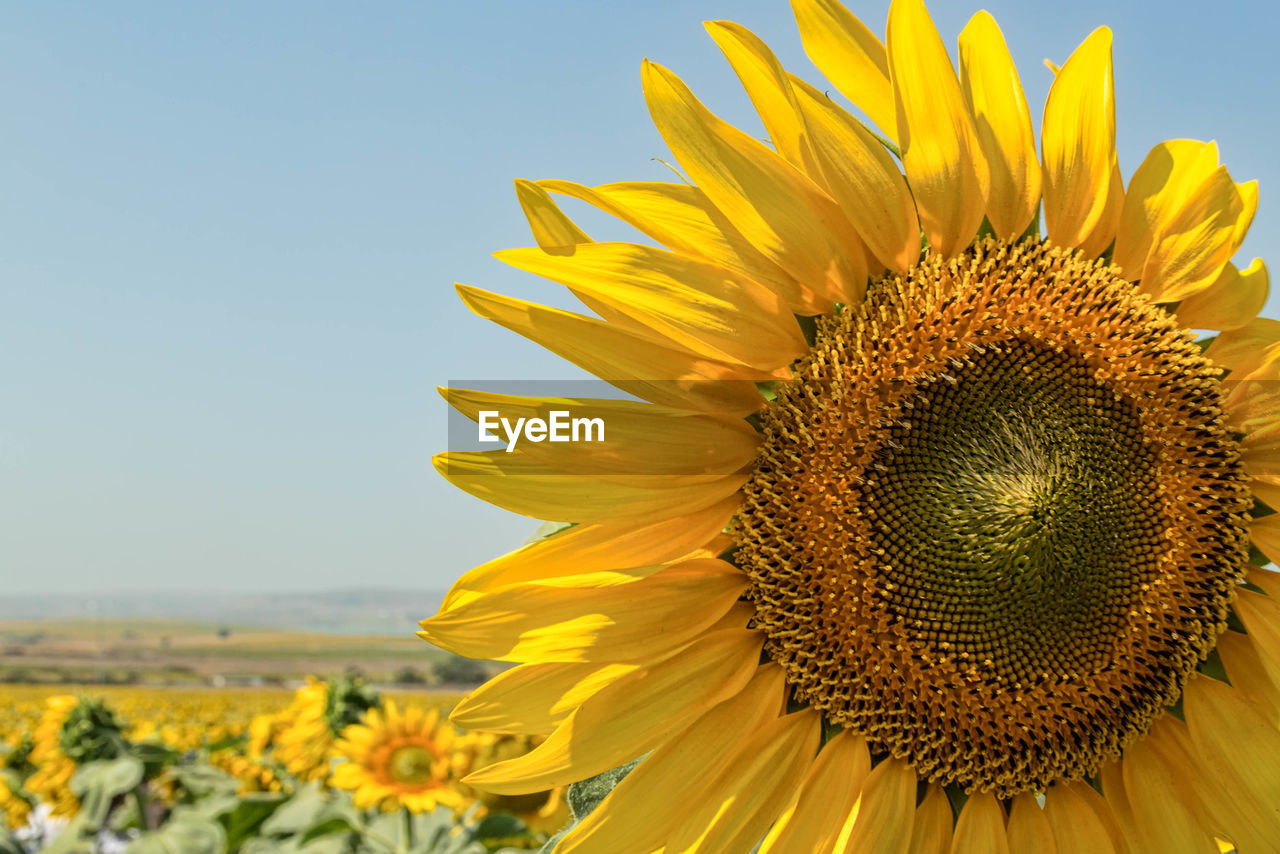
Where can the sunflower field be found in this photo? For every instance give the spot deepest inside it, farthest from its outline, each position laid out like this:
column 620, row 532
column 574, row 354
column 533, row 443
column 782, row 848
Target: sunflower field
column 335, row 767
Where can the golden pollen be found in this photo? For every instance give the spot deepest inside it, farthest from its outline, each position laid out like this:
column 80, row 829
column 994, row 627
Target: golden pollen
column 411, row 764
column 997, row 519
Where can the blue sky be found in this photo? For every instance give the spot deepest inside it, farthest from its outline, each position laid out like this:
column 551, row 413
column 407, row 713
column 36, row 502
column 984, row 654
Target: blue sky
column 231, row 233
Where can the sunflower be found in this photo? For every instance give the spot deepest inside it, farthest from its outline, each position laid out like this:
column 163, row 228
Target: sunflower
column 397, row 759
column 52, row 777
column 935, row 527
column 13, row 806
column 541, row 812
column 302, row 737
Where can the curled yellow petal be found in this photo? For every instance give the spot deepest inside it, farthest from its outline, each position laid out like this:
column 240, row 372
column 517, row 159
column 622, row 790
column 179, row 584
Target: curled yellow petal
column 1078, row 142
column 1159, row 188
column 940, row 149
column 850, row 56
column 1196, row 243
column 1232, row 301
column 774, row 206
column 551, row 227
column 604, row 616
column 993, row 91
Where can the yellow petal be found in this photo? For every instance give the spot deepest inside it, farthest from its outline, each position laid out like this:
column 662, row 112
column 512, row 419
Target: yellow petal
column 1159, row 812
column 1078, row 142
column 1237, row 745
column 934, row 826
column 1265, row 533
column 665, row 375
column 850, row 56
column 776, row 208
column 1075, row 823
column 769, row 89
column 1103, row 234
column 1244, row 349
column 940, row 149
column 993, row 91
column 813, row 820
column 553, row 230
column 530, row 488
column 831, row 147
column 1029, row 829
column 534, row 699
column 736, row 808
column 1261, row 617
column 1247, row 671
column 1232, row 301
column 1160, row 187
column 698, row 306
column 637, row 438
column 592, row 548
column 680, row 217
column 980, row 827
column 631, row 715
column 859, row 173
column 881, row 822
column 603, row 616
column 650, row 803
column 1197, row 242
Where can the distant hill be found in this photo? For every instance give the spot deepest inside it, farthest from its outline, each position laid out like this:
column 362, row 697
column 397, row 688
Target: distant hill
column 356, row 612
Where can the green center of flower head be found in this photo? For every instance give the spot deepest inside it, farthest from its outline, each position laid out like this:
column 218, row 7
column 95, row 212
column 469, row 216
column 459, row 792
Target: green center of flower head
column 91, row 732
column 411, row 764
column 1013, row 511
column 996, row 521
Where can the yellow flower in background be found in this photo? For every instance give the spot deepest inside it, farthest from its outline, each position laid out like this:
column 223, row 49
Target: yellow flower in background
column 304, row 741
column 16, row 809
column 52, row 777
column 542, row 812
column 397, row 759
column 909, row 547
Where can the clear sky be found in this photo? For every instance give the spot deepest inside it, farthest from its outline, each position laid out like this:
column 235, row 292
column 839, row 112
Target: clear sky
column 231, row 232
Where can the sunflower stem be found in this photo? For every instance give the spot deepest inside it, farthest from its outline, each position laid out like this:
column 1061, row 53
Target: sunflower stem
column 406, row 830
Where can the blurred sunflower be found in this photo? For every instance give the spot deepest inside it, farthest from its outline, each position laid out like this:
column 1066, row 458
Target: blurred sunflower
column 13, row 805
column 541, row 812
column 397, row 759
column 303, row 736
column 934, row 531
column 71, row 732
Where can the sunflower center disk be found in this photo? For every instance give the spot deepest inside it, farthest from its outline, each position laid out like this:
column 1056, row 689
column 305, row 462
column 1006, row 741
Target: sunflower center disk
column 996, row 520
column 411, row 764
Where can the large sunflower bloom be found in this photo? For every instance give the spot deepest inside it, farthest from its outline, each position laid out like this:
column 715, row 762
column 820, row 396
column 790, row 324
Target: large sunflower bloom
column 51, row 780
column 911, row 548
column 396, row 759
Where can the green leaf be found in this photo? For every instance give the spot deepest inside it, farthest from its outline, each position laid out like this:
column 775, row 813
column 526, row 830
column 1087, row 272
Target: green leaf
column 247, row 815
column 499, row 825
column 183, row 833
column 328, row 827
column 203, row 780
column 97, row 784
column 298, row 813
